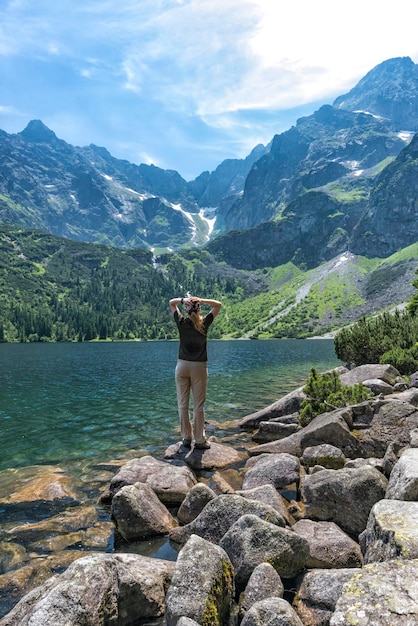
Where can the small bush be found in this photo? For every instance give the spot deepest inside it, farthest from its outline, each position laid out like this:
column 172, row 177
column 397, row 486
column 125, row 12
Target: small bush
column 405, row 361
column 325, row 392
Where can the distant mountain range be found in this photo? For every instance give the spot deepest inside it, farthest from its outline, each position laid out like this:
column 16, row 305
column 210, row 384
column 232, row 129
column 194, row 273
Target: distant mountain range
column 321, row 177
column 342, row 181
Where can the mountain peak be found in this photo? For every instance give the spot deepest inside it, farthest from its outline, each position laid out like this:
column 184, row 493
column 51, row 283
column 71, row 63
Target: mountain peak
column 37, row 132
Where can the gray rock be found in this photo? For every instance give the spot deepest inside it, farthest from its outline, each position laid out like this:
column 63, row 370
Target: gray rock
column 217, row 456
column 391, row 457
column 279, row 470
column 376, row 463
column 390, row 588
column 329, row 546
column 219, row 515
column 378, row 386
column 97, row 590
column 318, row 593
column 170, row 482
column 271, row 431
column 186, row 621
column 391, row 531
column 413, row 438
column 271, row 612
column 403, row 481
column 410, row 396
column 330, row 428
column 138, row 513
column 268, row 495
column 263, row 583
column 293, row 418
column 195, row 502
column 343, row 496
column 284, row 406
column 251, row 541
column 202, row 586
column 325, row 454
column 393, row 420
column 413, row 379
column 288, row 445
column 387, row 373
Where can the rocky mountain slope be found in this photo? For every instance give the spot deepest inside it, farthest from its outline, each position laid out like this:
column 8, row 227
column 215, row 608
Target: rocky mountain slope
column 337, row 152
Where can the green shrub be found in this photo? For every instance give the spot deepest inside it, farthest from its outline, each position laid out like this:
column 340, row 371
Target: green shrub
column 325, row 392
column 405, row 361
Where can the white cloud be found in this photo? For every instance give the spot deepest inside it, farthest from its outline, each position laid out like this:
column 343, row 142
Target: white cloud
column 161, row 70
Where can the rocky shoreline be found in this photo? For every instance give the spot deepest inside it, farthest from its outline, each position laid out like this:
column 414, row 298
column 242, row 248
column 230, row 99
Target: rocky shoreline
column 293, row 526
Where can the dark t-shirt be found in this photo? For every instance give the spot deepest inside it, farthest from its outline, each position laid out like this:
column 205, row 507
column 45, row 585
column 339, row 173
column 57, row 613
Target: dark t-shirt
column 193, row 344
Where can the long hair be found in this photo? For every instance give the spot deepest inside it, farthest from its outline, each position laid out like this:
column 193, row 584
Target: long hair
column 197, row 322
column 193, row 309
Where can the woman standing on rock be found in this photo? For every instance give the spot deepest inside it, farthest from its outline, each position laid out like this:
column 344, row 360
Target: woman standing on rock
column 191, row 369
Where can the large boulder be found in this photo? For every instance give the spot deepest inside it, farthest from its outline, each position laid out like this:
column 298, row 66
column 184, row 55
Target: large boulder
column 217, row 456
column 271, row 431
column 98, row 590
column 392, row 421
column 269, row 495
column 382, row 593
column 318, row 593
column 289, row 403
column 279, row 470
column 251, row 541
column 139, row 514
column 325, row 454
column 170, row 482
column 219, row 515
column 403, row 480
column 330, row 428
column 202, row 586
column 329, row 546
column 391, row 531
column 343, row 496
column 387, row 373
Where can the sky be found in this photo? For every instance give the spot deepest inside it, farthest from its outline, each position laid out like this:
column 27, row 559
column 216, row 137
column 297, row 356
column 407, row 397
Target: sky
column 185, row 84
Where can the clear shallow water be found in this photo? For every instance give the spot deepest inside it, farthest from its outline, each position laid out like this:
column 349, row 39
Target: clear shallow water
column 64, row 402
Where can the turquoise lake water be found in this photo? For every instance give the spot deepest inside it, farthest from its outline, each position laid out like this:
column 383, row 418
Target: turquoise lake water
column 63, row 402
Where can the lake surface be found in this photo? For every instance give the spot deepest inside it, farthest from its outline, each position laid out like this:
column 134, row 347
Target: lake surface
column 67, row 402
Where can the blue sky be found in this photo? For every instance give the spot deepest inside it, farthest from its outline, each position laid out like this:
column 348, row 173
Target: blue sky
column 185, row 84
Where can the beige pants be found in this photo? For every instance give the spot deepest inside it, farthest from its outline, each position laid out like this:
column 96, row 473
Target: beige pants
column 192, row 375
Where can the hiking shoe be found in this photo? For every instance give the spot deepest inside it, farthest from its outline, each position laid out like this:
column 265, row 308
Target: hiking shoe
column 205, row 445
column 186, row 443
